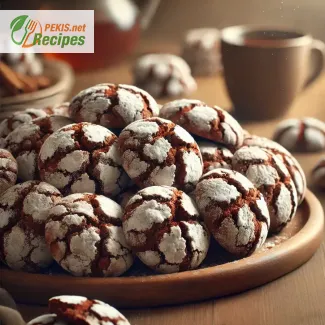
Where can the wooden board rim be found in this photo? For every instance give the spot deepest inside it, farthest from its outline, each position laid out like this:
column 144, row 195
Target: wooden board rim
column 215, row 281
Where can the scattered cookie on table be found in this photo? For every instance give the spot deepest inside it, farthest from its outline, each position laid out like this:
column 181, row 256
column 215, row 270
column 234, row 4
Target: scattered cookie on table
column 163, row 227
column 48, row 319
column 155, row 151
column 211, row 123
column 61, row 109
column 214, row 155
column 80, row 310
column 85, row 236
column 301, row 135
column 296, row 172
column 23, row 213
column 26, row 141
column 235, row 211
column 201, row 51
column 318, row 174
column 17, row 119
column 81, row 158
column 163, row 75
column 8, row 170
column 112, row 105
column 271, row 177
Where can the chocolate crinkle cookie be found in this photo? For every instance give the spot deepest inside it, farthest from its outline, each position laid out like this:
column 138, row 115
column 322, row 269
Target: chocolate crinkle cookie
column 112, row 105
column 23, row 213
column 211, row 123
column 163, row 75
column 271, row 177
column 214, row 156
column 85, row 236
column 294, row 168
column 17, row 119
column 155, row 151
column 8, row 170
column 26, row 140
column 162, row 225
column 80, row 310
column 301, row 135
column 201, row 51
column 235, row 211
column 318, row 174
column 81, row 158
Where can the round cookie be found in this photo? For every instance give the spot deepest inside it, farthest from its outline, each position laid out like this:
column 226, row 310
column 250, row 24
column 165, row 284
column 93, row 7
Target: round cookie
column 301, row 135
column 163, row 227
column 85, row 236
column 234, row 211
column 271, row 177
column 214, row 156
column 81, row 158
column 295, row 170
column 8, row 170
column 318, row 174
column 158, row 152
column 211, row 123
column 23, row 213
column 80, row 310
column 201, row 51
column 26, row 140
column 163, row 75
column 61, row 109
column 48, row 319
column 112, row 105
column 17, row 119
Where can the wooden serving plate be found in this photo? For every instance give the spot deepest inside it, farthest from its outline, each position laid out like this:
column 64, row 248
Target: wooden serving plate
column 220, row 275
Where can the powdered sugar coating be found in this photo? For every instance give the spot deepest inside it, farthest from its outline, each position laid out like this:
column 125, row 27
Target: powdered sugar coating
column 304, row 135
column 26, row 140
column 23, row 213
column 163, row 227
column 96, row 222
column 86, row 311
column 212, row 123
column 201, row 51
column 48, row 319
column 234, row 210
column 155, row 151
column 214, row 156
column 61, row 109
column 8, row 170
column 81, row 158
column 163, row 75
column 269, row 174
column 112, row 105
column 293, row 166
column 17, row 119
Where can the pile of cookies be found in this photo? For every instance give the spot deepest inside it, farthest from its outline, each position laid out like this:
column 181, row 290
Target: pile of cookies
column 93, row 201
column 70, row 310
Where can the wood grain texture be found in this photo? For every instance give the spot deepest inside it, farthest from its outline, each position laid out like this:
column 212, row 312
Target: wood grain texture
column 297, row 298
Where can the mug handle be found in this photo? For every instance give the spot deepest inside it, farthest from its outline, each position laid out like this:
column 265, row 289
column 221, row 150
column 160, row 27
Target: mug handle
column 148, row 10
column 318, row 60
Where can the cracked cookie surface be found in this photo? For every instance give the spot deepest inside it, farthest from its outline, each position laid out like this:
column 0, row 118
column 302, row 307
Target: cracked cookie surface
column 8, row 170
column 85, row 236
column 112, row 105
column 235, row 212
column 81, row 158
column 155, row 151
column 163, row 227
column 23, row 213
column 211, row 123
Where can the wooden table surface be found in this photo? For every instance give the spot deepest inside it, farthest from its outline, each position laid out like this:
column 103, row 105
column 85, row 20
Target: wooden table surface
column 297, row 298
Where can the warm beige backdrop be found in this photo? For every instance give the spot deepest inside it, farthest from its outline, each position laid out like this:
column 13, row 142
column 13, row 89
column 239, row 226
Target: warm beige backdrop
column 175, row 16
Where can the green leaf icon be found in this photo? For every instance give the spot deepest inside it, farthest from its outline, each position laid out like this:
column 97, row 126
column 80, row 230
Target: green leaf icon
column 16, row 25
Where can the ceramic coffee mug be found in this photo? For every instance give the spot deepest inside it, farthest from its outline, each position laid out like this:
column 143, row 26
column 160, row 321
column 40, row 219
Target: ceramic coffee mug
column 266, row 68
